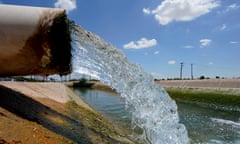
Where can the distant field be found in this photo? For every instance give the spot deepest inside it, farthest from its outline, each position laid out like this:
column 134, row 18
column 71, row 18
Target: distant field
column 207, row 83
column 224, row 93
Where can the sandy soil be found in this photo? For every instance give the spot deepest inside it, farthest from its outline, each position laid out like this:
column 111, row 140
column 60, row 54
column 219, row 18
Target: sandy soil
column 45, row 113
column 207, row 83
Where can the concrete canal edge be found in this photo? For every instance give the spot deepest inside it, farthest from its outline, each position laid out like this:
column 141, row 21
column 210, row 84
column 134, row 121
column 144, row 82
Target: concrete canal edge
column 51, row 112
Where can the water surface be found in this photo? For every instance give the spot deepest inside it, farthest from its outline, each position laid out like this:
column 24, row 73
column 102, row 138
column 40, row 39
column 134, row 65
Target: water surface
column 204, row 124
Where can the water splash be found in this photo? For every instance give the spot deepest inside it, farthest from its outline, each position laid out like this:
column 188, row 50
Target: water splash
column 151, row 108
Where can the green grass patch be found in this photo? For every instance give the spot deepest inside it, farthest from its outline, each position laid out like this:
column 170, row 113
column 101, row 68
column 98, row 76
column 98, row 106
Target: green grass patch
column 216, row 97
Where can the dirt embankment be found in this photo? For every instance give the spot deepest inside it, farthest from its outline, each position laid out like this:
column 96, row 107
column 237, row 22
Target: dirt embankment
column 205, row 84
column 51, row 113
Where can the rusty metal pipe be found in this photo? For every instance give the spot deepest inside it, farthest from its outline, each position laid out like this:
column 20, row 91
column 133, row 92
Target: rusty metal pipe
column 34, row 41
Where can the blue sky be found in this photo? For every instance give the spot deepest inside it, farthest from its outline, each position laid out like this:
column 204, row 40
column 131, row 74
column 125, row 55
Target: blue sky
column 160, row 34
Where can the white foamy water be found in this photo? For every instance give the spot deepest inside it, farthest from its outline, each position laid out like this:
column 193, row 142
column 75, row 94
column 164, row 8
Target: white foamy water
column 227, row 122
column 151, row 108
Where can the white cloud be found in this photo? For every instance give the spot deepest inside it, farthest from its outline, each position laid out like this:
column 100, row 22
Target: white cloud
column 140, row 44
column 156, row 52
column 205, row 42
column 146, row 11
column 229, row 8
column 232, row 7
column 233, row 42
column 210, row 63
column 182, row 10
column 68, row 5
column 171, row 62
column 223, row 27
column 188, row 46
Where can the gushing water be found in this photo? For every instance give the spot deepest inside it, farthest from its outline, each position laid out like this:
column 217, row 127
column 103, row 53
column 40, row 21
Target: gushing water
column 151, row 108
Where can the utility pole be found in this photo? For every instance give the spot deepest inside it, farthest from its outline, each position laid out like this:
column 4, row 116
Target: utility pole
column 181, row 70
column 192, row 71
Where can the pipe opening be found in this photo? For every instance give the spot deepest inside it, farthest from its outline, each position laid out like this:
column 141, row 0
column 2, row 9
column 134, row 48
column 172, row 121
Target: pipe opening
column 44, row 48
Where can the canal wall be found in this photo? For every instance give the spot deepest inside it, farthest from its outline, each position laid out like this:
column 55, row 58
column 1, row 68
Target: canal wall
column 52, row 113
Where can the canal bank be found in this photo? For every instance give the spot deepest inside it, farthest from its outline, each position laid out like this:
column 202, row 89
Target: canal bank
column 45, row 112
column 217, row 93
column 52, row 113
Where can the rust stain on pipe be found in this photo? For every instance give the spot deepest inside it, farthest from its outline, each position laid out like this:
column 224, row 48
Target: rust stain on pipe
column 46, row 51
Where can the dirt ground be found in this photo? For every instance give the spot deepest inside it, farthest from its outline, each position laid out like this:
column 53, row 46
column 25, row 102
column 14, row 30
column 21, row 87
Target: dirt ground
column 50, row 113
column 206, row 83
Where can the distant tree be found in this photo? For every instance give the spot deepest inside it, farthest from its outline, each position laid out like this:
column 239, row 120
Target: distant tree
column 202, row 77
column 177, row 78
column 82, row 81
column 217, row 77
column 52, row 79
